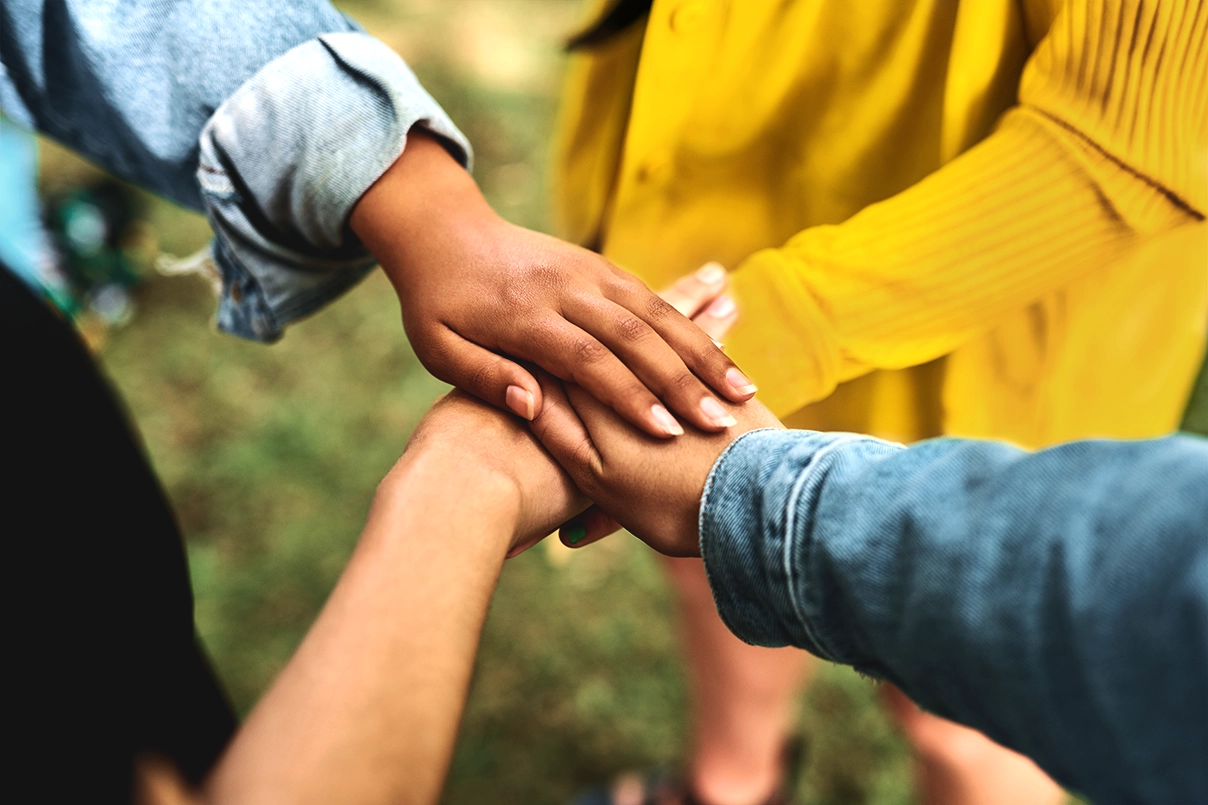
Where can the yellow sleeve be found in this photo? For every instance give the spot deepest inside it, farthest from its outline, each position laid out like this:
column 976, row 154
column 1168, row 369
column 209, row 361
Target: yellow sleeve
column 1108, row 144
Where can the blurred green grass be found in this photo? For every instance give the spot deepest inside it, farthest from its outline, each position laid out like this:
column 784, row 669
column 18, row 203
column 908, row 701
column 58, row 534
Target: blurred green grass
column 271, row 456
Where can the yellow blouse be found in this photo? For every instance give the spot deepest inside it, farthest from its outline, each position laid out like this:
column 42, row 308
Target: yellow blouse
column 1003, row 200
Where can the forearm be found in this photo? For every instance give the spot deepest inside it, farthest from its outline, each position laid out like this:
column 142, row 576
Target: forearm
column 401, row 226
column 1018, row 217
column 368, row 708
column 286, row 159
column 281, row 115
column 1054, row 600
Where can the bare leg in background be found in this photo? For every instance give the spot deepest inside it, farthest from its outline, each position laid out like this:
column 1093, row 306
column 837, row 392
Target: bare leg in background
column 955, row 765
column 743, row 698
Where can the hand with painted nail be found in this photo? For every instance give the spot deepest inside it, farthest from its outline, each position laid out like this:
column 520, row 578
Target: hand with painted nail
column 652, row 487
column 460, row 437
column 701, row 297
column 479, row 294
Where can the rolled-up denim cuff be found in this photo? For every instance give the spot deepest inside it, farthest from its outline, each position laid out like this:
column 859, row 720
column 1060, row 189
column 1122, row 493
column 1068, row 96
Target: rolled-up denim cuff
column 285, row 159
column 742, row 534
column 259, row 297
column 756, row 537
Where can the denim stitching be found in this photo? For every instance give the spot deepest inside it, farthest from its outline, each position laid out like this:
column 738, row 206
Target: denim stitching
column 807, row 476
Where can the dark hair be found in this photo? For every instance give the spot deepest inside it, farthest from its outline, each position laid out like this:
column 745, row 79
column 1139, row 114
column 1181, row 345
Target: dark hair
column 623, row 14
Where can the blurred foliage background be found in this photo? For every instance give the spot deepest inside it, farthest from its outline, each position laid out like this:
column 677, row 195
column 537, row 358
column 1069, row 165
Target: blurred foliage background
column 271, row 456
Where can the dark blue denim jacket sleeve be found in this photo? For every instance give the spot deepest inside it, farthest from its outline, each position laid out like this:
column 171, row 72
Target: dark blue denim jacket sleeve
column 271, row 117
column 1057, row 600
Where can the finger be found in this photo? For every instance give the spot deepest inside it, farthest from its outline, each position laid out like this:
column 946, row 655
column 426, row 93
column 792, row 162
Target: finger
column 558, row 427
column 717, row 319
column 591, row 526
column 565, row 350
column 603, row 428
column 693, row 292
column 650, row 359
column 695, row 349
column 490, row 377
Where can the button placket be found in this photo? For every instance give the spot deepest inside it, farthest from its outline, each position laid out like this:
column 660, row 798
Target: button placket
column 688, row 17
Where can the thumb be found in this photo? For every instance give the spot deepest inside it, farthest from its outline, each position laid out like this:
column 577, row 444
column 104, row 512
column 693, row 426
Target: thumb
column 490, row 377
column 717, row 319
column 691, row 293
column 563, row 434
column 591, row 526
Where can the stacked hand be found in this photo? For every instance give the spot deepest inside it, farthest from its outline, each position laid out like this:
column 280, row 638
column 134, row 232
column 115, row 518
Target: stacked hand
column 561, row 337
column 479, row 294
column 651, row 486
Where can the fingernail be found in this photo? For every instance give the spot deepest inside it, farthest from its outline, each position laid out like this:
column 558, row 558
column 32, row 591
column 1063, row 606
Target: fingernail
column 576, row 534
column 716, row 414
column 739, row 381
column 663, row 418
column 722, row 306
column 711, row 273
column 521, row 402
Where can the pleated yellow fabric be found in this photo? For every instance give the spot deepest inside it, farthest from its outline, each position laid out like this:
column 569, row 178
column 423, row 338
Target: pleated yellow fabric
column 1016, row 190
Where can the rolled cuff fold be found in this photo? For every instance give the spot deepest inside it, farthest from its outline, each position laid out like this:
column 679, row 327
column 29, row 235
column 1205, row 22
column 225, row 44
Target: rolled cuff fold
column 285, row 159
column 756, row 552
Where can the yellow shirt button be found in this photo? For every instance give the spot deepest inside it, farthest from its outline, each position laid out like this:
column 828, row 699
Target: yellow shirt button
column 654, row 169
column 688, row 17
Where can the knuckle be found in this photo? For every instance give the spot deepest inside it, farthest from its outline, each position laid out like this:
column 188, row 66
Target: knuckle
column 545, row 275
column 584, row 472
column 481, row 378
column 530, row 283
column 684, row 381
column 582, row 454
column 715, row 359
column 515, row 296
column 613, row 270
column 658, row 309
column 537, row 334
column 588, row 350
column 704, row 356
column 634, row 398
column 631, row 284
column 631, row 328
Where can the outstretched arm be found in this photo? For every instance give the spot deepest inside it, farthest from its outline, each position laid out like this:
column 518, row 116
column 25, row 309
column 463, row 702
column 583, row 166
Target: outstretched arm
column 1056, row 600
column 367, row 709
column 316, row 151
column 1104, row 149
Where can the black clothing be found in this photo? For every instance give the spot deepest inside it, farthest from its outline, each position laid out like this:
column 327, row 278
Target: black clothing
column 105, row 659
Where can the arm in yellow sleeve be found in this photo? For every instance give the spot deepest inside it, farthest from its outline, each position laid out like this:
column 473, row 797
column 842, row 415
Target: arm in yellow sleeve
column 1108, row 144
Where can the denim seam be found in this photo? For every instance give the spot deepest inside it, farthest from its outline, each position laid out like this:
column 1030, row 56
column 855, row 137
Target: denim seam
column 807, row 477
column 704, row 498
column 260, row 309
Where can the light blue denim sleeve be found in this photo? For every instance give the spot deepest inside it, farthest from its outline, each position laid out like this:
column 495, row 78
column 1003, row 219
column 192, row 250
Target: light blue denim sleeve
column 284, row 160
column 1057, row 600
column 301, row 112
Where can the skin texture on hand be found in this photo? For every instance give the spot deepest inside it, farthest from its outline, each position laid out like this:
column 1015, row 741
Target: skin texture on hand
column 701, row 297
column 651, row 487
column 479, row 294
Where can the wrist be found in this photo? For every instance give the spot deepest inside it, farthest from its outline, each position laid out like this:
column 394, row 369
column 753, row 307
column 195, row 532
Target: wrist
column 436, row 486
column 422, row 201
